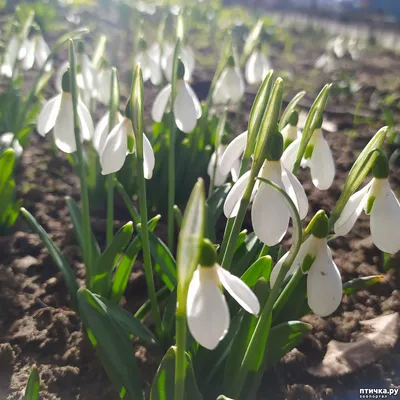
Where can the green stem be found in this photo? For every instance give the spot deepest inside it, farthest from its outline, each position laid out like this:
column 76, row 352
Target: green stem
column 171, row 183
column 110, row 208
column 87, row 235
column 180, row 370
column 237, row 224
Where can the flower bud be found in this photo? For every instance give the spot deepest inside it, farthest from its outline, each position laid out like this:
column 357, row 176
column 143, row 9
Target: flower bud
column 208, row 254
column 380, row 169
column 320, row 225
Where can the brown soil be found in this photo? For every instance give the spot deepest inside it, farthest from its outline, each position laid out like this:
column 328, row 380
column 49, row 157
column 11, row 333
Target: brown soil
column 37, row 326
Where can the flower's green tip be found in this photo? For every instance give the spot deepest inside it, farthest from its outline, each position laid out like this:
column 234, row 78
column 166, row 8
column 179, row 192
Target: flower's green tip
column 320, row 225
column 230, row 61
column 208, row 254
column 275, row 147
column 66, row 81
column 180, row 69
column 380, row 169
column 294, row 118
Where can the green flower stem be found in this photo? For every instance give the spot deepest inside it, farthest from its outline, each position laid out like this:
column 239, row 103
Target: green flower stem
column 110, row 208
column 238, row 221
column 180, row 361
column 171, row 182
column 87, row 235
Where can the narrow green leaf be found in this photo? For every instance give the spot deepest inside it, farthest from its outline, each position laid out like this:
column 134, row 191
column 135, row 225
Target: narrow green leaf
column 365, row 282
column 162, row 295
column 178, row 216
column 7, row 161
column 113, row 345
column 33, row 385
column 99, row 51
column 128, row 201
column 56, row 255
column 241, row 238
column 252, row 40
column 103, row 268
column 290, row 108
column 163, row 386
column 261, row 268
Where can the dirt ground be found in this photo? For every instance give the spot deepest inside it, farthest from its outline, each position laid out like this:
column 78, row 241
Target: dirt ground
column 37, row 326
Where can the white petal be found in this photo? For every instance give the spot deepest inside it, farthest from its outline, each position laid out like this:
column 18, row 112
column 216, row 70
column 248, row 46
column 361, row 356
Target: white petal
column 64, row 127
column 143, row 60
column 232, row 201
column 101, row 132
column 47, row 117
column 103, row 88
column 188, row 58
column 351, row 211
column 322, row 165
column 239, row 291
column 115, row 148
column 289, row 155
column 148, row 158
column 207, row 311
column 324, row 284
column 277, row 268
column 156, row 76
column 234, row 84
column 60, row 72
column 42, row 51
column 256, row 68
column 269, row 215
column 233, row 152
column 295, row 191
column 385, row 221
column 184, row 109
column 29, row 58
column 195, row 99
column 160, row 103
column 85, row 121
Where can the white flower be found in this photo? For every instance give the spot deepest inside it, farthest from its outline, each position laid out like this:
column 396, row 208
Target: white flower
column 10, row 57
column 187, row 108
column 102, row 130
column 381, row 204
column 324, row 283
column 232, row 155
column 35, row 51
column 207, row 311
column 230, row 86
column 103, row 85
column 116, row 149
column 270, row 214
column 220, row 177
column 57, row 113
column 320, row 162
column 186, row 54
column 326, row 62
column 290, row 133
column 149, row 61
column 257, row 67
column 59, row 75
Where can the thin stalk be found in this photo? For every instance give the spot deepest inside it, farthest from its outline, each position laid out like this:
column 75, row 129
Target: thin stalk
column 171, row 183
column 87, row 235
column 180, row 361
column 110, row 208
column 238, row 221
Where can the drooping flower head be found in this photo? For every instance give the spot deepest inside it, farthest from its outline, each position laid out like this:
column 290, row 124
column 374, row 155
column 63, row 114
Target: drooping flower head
column 230, row 85
column 381, row 204
column 318, row 157
column 269, row 213
column 121, row 142
column 324, row 283
column 149, row 60
column 57, row 114
column 207, row 310
column 36, row 52
column 187, row 57
column 257, row 67
column 187, row 108
column 10, row 57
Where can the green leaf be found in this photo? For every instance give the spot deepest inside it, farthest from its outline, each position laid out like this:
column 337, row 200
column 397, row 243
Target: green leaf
column 169, row 316
column 7, row 161
column 162, row 295
column 252, row 40
column 261, row 268
column 103, row 268
column 128, row 202
column 178, row 216
column 241, row 238
column 126, row 320
column 33, row 385
column 56, row 255
column 112, row 344
column 246, row 254
column 99, row 51
column 76, row 217
column 363, row 283
column 289, row 109
column 313, row 119
column 163, row 385
column 190, row 237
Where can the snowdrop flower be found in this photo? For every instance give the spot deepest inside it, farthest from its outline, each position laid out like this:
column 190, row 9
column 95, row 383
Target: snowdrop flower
column 257, row 67
column 187, row 108
column 318, row 157
column 36, row 52
column 121, row 142
column 101, row 131
column 230, row 86
column 103, row 83
column 269, row 213
column 326, row 62
column 59, row 75
column 232, row 155
column 57, row 114
column 378, row 200
column 10, row 57
column 186, row 54
column 339, row 47
column 207, row 310
column 290, row 132
column 149, row 60
column 220, row 177
column 324, row 283
column 86, row 77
